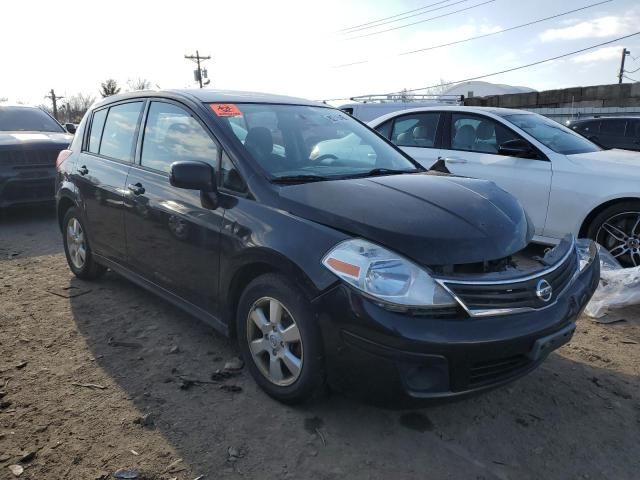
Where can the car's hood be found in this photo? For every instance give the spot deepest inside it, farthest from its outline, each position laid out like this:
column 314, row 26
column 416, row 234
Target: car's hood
column 43, row 139
column 432, row 219
column 626, row 160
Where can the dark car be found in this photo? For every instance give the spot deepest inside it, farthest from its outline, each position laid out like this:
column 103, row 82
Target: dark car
column 364, row 271
column 30, row 140
column 610, row 132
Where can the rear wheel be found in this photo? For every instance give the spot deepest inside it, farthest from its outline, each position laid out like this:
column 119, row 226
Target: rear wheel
column 617, row 228
column 76, row 247
column 280, row 340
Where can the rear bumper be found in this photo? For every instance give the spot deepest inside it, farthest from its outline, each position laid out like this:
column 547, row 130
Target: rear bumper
column 384, row 354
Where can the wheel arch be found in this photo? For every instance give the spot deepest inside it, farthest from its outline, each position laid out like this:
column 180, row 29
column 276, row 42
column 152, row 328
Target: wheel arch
column 595, row 211
column 64, row 203
column 259, row 262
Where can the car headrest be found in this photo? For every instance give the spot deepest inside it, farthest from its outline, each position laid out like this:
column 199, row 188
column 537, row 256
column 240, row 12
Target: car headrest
column 485, row 130
column 465, row 137
column 421, row 132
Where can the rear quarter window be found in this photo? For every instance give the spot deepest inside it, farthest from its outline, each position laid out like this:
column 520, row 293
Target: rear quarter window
column 97, row 124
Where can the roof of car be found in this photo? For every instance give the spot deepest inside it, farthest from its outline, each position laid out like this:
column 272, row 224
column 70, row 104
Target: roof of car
column 453, row 108
column 588, row 119
column 208, row 95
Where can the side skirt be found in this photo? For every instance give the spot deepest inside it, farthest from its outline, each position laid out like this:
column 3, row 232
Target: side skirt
column 165, row 294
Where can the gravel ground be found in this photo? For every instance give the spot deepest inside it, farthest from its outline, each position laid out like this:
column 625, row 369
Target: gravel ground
column 97, row 377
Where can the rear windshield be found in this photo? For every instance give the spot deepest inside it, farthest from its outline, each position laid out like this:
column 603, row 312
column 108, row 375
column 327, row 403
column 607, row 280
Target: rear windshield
column 551, row 134
column 290, row 140
column 27, row 119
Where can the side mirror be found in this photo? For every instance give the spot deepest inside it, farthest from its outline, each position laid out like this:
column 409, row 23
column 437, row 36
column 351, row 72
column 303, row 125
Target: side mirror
column 517, row 148
column 193, row 176
column 70, row 127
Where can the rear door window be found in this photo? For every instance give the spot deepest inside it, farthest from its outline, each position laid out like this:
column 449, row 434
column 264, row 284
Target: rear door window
column 415, row 130
column 119, row 131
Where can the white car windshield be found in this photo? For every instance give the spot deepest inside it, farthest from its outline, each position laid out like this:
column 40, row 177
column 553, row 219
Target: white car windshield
column 297, row 141
column 551, row 134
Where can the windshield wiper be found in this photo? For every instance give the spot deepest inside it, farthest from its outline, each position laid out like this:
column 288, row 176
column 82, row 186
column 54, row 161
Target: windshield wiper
column 289, row 179
column 384, row 171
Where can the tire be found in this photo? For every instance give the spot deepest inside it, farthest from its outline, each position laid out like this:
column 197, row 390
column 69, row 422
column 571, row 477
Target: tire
column 75, row 238
column 276, row 343
column 617, row 228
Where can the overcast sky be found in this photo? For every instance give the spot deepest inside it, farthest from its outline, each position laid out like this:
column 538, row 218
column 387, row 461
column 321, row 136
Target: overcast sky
column 294, row 47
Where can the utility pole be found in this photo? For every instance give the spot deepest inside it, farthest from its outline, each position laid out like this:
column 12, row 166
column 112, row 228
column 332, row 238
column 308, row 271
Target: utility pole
column 199, row 72
column 625, row 52
column 54, row 100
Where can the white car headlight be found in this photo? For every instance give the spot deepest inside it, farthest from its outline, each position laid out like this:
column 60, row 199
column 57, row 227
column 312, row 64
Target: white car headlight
column 385, row 275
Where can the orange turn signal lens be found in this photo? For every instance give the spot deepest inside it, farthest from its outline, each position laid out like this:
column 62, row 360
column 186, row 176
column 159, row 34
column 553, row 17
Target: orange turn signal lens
column 344, row 267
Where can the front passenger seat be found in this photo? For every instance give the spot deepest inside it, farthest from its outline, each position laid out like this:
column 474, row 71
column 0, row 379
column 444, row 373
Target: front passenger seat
column 259, row 142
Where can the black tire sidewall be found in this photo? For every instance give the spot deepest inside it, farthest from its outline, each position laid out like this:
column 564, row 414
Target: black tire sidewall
column 607, row 213
column 90, row 269
column 312, row 377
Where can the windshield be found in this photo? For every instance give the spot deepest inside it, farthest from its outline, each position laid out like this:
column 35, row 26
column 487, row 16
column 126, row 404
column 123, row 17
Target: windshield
column 551, row 134
column 27, row 119
column 310, row 142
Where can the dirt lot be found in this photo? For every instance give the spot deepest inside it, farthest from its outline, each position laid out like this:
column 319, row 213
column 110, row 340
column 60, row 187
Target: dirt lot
column 96, row 382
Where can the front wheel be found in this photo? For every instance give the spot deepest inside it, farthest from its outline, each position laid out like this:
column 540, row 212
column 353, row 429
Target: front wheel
column 280, row 339
column 76, row 247
column 617, row 228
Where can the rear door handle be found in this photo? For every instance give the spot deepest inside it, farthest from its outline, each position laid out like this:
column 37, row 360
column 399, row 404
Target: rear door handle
column 452, row 160
column 136, row 189
column 83, row 170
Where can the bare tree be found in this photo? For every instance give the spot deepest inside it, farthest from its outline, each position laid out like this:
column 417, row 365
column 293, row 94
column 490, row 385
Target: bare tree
column 4, row 99
column 76, row 106
column 138, row 84
column 440, row 88
column 46, row 108
column 109, row 87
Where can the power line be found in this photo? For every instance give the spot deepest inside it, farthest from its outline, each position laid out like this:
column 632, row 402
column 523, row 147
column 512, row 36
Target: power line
column 456, row 42
column 422, row 21
column 524, row 66
column 366, row 27
column 629, row 78
column 508, row 70
column 393, row 16
column 632, row 71
column 507, row 29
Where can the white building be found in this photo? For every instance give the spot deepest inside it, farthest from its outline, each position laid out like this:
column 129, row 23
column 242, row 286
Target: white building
column 484, row 89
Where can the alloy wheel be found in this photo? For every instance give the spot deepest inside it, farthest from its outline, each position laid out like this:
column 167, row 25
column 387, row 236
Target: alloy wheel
column 76, row 243
column 274, row 341
column 620, row 235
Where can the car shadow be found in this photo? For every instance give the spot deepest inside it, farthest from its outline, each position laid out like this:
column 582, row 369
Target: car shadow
column 29, row 232
column 567, row 419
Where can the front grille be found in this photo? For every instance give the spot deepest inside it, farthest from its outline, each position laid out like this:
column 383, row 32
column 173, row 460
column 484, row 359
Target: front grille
column 516, row 294
column 486, row 372
column 20, row 158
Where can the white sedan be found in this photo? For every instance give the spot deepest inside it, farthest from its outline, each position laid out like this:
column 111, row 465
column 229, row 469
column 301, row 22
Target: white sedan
column 566, row 183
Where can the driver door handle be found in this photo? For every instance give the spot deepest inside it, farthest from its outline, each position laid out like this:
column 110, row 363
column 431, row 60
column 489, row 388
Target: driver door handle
column 83, row 170
column 452, row 160
column 136, row 189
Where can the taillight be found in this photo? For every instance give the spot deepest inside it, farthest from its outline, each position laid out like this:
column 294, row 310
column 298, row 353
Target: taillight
column 62, row 156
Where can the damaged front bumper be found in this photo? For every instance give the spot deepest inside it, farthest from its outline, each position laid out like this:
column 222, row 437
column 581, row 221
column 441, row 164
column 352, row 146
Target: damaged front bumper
column 505, row 325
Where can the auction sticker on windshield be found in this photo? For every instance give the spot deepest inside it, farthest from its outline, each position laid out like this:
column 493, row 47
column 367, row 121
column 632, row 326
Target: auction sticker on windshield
column 225, row 110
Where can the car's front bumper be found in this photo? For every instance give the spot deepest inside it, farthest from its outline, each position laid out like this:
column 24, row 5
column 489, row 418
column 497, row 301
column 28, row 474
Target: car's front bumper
column 26, row 185
column 382, row 353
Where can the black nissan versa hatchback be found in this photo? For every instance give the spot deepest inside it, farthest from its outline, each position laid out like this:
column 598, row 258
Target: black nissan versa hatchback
column 356, row 269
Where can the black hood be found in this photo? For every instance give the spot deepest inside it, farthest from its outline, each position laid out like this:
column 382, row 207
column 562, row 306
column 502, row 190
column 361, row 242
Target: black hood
column 432, row 219
column 38, row 140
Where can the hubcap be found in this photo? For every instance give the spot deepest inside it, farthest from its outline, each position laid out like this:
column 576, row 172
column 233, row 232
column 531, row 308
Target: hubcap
column 620, row 235
column 274, row 341
column 76, row 243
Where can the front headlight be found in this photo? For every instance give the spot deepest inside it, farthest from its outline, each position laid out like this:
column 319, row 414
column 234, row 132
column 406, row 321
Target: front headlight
column 385, row 275
column 586, row 252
